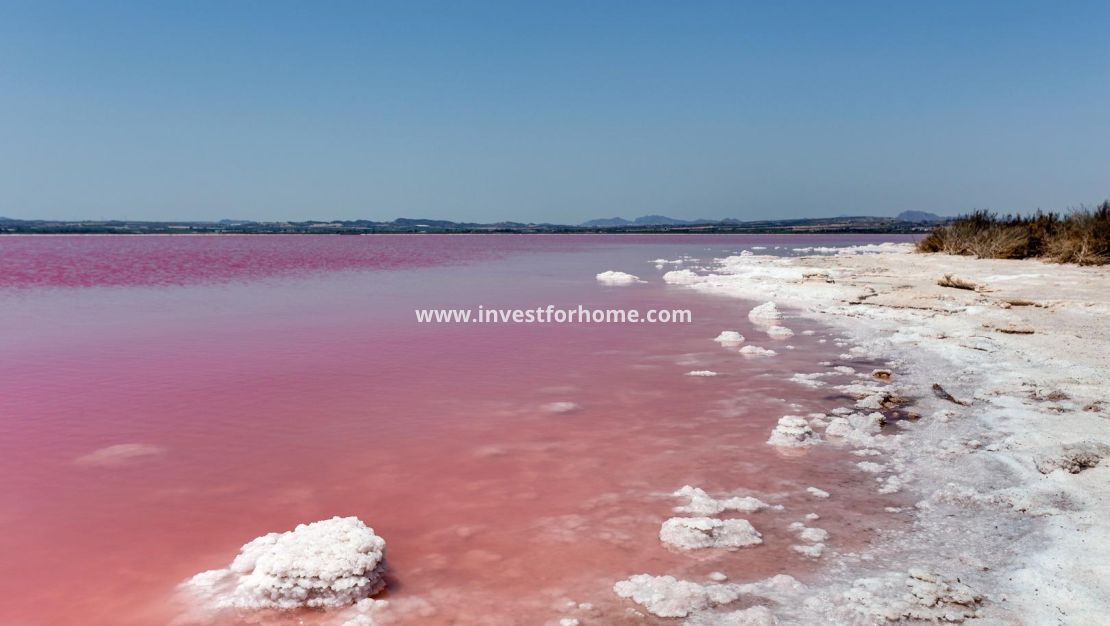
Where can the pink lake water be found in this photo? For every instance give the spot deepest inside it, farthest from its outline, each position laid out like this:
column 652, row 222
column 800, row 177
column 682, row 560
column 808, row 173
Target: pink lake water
column 274, row 380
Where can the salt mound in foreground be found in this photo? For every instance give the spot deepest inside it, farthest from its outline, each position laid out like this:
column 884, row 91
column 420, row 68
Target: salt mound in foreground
column 331, row 563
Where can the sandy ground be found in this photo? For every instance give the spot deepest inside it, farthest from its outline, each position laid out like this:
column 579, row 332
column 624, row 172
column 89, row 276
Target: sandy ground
column 1011, row 518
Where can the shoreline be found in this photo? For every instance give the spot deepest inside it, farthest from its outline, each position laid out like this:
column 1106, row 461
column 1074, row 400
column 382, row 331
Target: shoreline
column 998, row 505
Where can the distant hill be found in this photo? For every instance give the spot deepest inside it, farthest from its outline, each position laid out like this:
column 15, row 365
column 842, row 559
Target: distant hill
column 657, row 220
column 606, row 221
column 906, row 223
column 919, row 216
column 643, row 220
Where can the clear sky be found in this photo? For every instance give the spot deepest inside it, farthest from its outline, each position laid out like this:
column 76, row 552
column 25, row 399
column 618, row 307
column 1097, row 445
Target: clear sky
column 550, row 111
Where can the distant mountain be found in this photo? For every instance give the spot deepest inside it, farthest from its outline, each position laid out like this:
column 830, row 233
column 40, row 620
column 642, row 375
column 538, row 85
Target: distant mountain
column 657, row 220
column 919, row 216
column 606, row 221
column 643, row 220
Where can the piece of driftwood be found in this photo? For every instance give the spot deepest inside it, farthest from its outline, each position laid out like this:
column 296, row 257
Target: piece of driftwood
column 951, row 280
column 939, row 392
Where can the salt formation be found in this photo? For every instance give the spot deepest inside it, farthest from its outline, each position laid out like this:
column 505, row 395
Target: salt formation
column 814, row 538
column 756, row 351
column 871, row 467
column 681, row 277
column 561, row 407
column 617, row 278
column 930, row 598
column 939, row 598
column 753, row 616
column 857, row 428
column 702, row 373
column 810, row 533
column 331, row 563
column 692, row 533
column 808, row 380
column 817, row 493
column 793, row 431
column 996, row 466
column 729, row 338
column 378, row 612
column 701, row 503
column 1072, row 457
column 119, row 454
column 779, row 332
column 766, row 312
column 813, row 550
column 666, row 596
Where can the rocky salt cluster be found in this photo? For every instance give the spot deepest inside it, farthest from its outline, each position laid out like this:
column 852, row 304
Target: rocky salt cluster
column 617, row 279
column 701, row 503
column 666, row 596
column 729, row 338
column 765, row 313
column 793, row 431
column 705, row 604
column 692, row 533
column 327, row 564
column 779, row 332
column 757, row 351
column 681, row 277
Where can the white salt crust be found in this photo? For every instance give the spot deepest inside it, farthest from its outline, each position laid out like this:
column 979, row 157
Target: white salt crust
column 701, row 503
column 757, row 351
column 793, row 431
column 326, row 564
column 617, row 279
column 562, row 407
column 1002, row 441
column 693, row 533
column 729, row 338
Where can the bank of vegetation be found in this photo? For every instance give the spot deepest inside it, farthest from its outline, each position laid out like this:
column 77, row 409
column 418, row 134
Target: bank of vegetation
column 1081, row 236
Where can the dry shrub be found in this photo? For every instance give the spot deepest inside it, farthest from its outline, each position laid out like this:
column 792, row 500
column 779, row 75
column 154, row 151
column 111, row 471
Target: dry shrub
column 1082, row 236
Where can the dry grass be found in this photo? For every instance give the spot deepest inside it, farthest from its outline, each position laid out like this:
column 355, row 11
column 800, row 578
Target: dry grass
column 1081, row 236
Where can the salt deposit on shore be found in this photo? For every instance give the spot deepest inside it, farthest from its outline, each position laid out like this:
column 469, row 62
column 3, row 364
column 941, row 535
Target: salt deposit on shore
column 327, row 564
column 1003, row 392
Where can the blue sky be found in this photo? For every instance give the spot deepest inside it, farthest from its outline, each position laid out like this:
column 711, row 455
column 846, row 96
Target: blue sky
column 555, row 111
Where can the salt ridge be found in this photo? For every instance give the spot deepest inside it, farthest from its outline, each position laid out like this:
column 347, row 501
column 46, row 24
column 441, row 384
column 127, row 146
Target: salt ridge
column 1004, row 530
